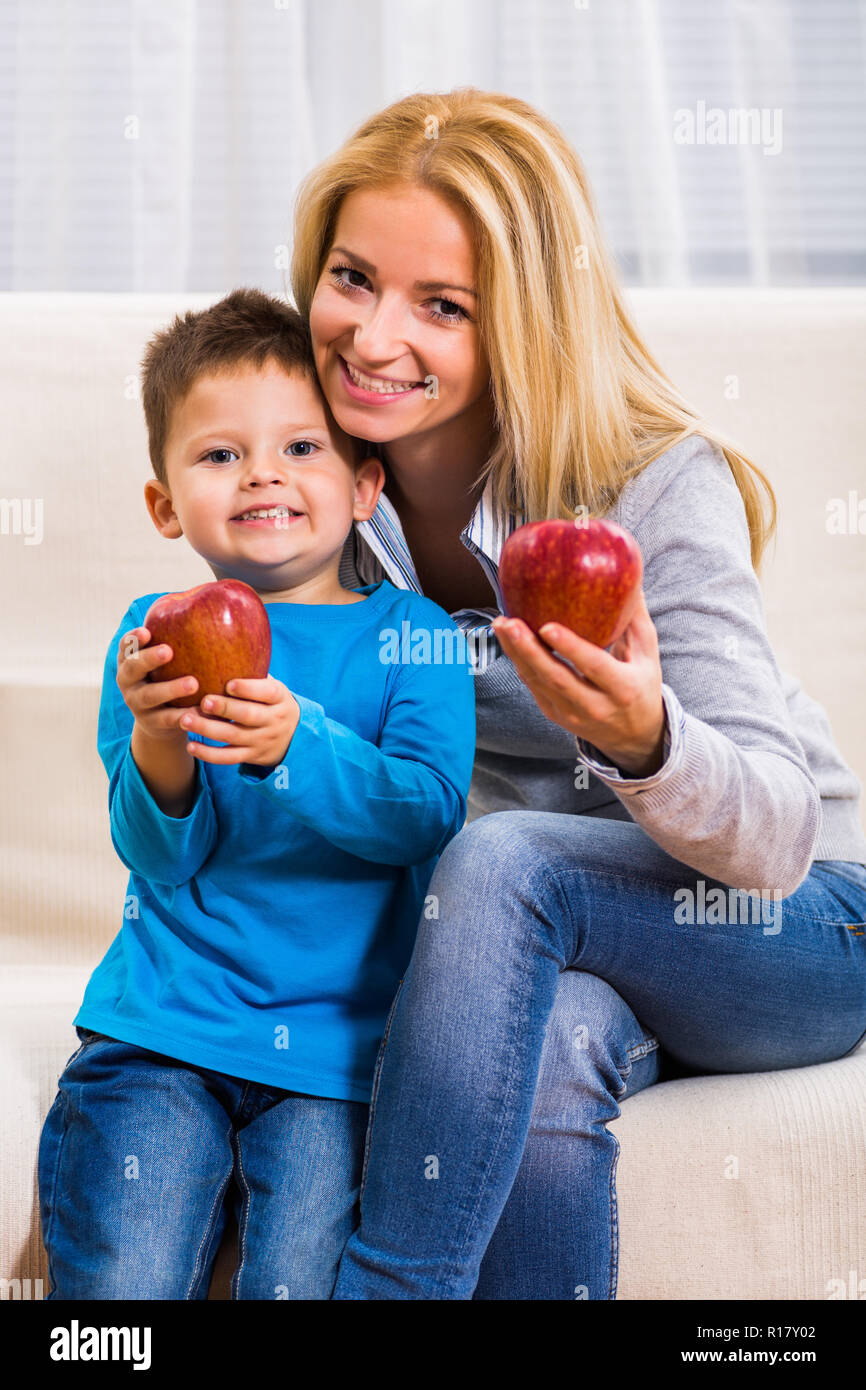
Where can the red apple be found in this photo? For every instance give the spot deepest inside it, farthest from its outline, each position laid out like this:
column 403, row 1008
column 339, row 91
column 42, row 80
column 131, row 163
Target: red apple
column 217, row 632
column 584, row 574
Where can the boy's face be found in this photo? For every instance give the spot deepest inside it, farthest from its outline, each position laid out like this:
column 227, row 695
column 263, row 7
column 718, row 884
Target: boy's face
column 253, row 438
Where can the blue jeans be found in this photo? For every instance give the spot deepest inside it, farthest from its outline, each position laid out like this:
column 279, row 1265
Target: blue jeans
column 136, row 1160
column 558, row 979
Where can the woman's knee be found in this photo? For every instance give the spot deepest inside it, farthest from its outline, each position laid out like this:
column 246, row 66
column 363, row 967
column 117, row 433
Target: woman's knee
column 497, row 842
column 496, row 870
column 592, row 1042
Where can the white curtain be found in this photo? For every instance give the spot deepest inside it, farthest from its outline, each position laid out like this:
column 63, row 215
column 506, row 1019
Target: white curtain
column 158, row 144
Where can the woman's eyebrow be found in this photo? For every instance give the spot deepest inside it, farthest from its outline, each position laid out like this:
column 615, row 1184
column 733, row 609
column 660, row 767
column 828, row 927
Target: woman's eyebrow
column 428, row 286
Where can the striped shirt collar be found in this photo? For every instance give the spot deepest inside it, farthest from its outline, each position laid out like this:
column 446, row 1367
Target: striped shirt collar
column 382, row 551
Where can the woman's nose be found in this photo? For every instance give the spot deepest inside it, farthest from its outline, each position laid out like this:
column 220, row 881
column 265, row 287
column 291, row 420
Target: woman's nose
column 379, row 332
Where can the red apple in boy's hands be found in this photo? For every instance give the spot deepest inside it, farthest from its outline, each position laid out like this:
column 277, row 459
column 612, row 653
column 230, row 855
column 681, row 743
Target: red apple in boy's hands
column 217, row 632
column 584, row 574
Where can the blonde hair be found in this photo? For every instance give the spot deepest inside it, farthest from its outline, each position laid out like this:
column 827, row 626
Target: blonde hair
column 580, row 403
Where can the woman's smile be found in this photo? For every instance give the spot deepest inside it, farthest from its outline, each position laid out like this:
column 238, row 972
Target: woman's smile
column 374, row 390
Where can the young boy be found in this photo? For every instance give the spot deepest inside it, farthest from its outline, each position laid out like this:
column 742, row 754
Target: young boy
column 279, row 845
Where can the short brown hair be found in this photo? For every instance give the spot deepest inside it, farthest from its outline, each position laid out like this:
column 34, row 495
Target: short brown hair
column 247, row 326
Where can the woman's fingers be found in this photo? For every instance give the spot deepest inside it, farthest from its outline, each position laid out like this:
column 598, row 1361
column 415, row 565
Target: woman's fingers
column 527, row 650
column 592, row 662
column 546, row 676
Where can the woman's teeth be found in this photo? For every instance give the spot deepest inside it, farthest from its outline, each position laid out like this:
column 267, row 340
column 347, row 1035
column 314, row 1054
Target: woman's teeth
column 377, row 384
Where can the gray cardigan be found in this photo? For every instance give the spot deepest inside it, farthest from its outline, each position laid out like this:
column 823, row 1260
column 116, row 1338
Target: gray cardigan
column 753, row 788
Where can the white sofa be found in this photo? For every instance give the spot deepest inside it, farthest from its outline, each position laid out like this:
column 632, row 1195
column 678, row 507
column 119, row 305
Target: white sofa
column 782, row 373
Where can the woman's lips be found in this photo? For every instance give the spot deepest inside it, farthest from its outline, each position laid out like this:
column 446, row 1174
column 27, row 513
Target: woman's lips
column 373, row 397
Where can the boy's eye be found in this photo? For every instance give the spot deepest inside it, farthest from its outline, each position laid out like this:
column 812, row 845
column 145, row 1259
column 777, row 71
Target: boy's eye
column 301, row 448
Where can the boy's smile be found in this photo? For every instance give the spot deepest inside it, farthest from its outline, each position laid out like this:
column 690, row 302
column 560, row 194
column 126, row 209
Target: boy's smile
column 262, row 484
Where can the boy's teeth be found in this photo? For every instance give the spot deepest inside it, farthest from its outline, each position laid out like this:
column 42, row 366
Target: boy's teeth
column 385, row 388
column 271, row 511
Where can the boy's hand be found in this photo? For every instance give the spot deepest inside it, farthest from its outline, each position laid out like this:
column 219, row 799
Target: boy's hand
column 263, row 713
column 147, row 699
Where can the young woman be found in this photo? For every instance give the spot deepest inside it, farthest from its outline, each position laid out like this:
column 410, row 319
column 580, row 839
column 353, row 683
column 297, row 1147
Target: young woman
column 467, row 322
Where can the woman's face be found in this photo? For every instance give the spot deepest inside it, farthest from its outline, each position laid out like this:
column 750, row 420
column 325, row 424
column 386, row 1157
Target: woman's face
column 394, row 318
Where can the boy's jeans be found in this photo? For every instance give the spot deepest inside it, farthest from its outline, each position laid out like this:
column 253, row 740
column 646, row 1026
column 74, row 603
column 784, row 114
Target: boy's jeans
column 136, row 1158
column 560, row 975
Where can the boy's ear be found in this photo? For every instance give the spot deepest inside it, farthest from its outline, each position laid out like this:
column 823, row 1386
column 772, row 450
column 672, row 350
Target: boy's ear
column 158, row 499
column 369, row 481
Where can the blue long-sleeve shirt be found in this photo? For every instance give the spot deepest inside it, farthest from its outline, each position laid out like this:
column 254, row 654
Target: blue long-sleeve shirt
column 265, row 933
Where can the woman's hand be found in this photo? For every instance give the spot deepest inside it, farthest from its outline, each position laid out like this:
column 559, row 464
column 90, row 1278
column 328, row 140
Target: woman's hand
column 615, row 703
column 264, row 720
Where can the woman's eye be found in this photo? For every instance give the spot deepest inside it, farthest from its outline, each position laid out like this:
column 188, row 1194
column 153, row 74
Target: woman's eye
column 342, row 275
column 219, row 451
column 347, row 278
column 450, row 313
column 306, row 445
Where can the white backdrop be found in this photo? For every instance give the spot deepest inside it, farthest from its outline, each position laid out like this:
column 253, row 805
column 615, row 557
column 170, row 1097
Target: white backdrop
column 157, row 144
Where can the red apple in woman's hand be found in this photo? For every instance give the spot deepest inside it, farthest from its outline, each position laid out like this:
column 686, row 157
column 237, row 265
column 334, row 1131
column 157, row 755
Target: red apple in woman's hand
column 584, row 574
column 217, row 632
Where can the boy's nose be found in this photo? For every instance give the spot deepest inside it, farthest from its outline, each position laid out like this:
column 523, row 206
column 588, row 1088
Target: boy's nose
column 266, row 469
